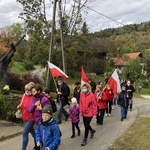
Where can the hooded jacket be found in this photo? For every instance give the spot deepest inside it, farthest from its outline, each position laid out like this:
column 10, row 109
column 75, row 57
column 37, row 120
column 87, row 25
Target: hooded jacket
column 32, row 108
column 26, row 115
column 88, row 105
column 48, row 137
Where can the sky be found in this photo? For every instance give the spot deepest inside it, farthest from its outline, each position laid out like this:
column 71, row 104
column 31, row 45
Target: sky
column 100, row 13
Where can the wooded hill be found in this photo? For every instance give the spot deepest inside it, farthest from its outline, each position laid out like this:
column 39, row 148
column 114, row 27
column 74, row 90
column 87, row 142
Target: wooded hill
column 126, row 39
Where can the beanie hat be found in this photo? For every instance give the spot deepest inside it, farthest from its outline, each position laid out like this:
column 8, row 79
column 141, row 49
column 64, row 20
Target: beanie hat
column 74, row 100
column 47, row 109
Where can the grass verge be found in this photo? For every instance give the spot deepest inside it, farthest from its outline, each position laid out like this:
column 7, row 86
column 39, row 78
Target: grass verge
column 136, row 138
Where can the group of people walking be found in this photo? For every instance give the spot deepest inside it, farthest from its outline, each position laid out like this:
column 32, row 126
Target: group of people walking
column 89, row 100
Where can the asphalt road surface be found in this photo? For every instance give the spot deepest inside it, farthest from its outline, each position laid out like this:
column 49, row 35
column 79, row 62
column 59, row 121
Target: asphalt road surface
column 104, row 137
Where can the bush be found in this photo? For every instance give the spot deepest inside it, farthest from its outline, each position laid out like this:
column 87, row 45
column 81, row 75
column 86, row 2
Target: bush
column 14, row 81
column 28, row 65
column 2, row 107
column 17, row 82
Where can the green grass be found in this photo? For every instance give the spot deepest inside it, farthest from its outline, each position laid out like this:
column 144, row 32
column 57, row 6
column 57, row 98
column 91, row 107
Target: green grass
column 136, row 138
column 18, row 68
column 145, row 91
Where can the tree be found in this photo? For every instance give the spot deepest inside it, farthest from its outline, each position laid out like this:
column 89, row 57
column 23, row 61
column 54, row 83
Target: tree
column 84, row 29
column 146, row 65
column 133, row 70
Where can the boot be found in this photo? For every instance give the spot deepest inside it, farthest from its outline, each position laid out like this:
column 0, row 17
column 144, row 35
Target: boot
column 92, row 134
column 84, row 142
column 72, row 136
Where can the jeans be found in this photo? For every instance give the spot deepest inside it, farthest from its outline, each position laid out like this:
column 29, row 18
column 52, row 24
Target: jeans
column 123, row 112
column 61, row 111
column 28, row 128
column 86, row 122
column 131, row 103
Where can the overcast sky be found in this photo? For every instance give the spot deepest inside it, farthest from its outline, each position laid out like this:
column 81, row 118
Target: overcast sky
column 123, row 11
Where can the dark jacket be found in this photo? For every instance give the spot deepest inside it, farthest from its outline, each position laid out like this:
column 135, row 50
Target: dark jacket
column 65, row 90
column 130, row 87
column 76, row 94
column 123, row 98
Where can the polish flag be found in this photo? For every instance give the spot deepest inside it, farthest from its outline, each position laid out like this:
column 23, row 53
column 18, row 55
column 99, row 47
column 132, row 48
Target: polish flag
column 55, row 71
column 114, row 83
column 84, row 78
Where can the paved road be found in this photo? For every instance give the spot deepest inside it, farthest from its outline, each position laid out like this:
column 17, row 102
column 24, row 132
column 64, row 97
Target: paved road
column 104, row 137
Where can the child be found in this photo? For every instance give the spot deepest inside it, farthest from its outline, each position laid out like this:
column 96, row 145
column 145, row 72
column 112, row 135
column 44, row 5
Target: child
column 74, row 115
column 48, row 132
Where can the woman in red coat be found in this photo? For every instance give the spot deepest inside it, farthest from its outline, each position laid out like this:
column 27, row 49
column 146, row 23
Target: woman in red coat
column 108, row 96
column 88, row 109
column 101, row 103
column 28, row 118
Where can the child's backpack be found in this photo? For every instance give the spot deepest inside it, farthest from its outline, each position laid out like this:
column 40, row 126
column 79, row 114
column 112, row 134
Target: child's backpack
column 52, row 130
column 54, row 107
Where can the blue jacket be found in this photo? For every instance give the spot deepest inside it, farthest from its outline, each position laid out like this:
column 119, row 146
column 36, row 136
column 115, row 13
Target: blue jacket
column 47, row 136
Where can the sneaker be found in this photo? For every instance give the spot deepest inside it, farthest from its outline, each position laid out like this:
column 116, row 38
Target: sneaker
column 121, row 119
column 106, row 115
column 92, row 134
column 72, row 136
column 84, row 142
column 109, row 115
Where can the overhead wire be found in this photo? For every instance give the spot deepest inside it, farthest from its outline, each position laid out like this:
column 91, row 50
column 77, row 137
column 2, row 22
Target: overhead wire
column 105, row 15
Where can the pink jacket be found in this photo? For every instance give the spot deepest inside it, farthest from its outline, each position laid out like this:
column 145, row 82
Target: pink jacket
column 88, row 105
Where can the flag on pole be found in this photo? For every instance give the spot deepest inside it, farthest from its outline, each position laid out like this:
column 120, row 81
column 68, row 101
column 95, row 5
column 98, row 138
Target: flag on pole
column 114, row 83
column 55, row 71
column 84, row 78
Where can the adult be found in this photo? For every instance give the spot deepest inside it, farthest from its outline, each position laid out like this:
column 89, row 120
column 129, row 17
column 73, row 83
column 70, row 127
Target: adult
column 77, row 90
column 63, row 92
column 88, row 109
column 123, row 101
column 92, row 84
column 38, row 102
column 109, row 95
column 130, row 89
column 101, row 103
column 28, row 118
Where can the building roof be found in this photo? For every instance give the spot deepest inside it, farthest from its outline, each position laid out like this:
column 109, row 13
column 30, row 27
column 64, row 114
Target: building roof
column 124, row 59
column 119, row 61
column 134, row 55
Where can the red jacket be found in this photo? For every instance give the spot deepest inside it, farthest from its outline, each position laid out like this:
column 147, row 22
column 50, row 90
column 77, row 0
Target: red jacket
column 88, row 105
column 107, row 95
column 26, row 115
column 100, row 102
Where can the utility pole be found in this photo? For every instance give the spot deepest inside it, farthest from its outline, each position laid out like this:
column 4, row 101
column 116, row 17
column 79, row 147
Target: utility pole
column 52, row 39
column 62, row 37
column 51, row 43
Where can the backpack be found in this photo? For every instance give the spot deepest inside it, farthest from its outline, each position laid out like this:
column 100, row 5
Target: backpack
column 53, row 104
column 52, row 130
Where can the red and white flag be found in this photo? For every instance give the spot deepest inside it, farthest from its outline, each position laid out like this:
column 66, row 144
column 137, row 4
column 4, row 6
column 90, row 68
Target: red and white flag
column 114, row 83
column 55, row 71
column 84, row 78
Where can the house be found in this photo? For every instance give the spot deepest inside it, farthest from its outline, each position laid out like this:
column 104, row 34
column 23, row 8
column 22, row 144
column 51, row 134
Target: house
column 123, row 61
